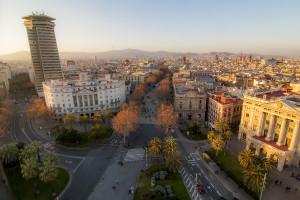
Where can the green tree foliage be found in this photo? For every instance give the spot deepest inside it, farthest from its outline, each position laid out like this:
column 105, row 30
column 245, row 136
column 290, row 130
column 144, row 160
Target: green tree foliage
column 27, row 153
column 218, row 144
column 222, row 125
column 56, row 129
column 227, row 136
column 253, row 178
column 30, row 170
column 38, row 148
column 48, row 174
column 69, row 136
column 195, row 128
column 174, row 161
column 70, row 120
column 211, row 135
column 84, row 120
column 155, row 147
column 246, row 158
column 51, row 157
column 96, row 132
column 9, row 154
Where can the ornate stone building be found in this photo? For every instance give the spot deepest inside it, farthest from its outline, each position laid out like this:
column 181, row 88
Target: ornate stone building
column 270, row 125
column 190, row 104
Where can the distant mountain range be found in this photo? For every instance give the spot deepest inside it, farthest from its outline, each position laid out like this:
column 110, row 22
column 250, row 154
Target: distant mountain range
column 126, row 53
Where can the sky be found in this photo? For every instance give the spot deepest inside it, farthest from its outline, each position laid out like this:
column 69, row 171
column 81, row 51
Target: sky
column 269, row 27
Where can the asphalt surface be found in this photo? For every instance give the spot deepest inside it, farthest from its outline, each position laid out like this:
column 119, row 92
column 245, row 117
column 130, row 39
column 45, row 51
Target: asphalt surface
column 87, row 166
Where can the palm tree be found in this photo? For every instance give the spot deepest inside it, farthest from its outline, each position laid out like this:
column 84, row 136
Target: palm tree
column 253, row 178
column 98, row 118
column 218, row 144
column 173, row 161
column 30, row 170
column 169, row 146
column 155, row 148
column 108, row 115
column 38, row 148
column 211, row 135
column 246, row 158
column 9, row 154
column 96, row 131
column 51, row 157
column 27, row 153
column 195, row 128
column 56, row 130
column 84, row 120
column 264, row 163
column 222, row 125
column 49, row 173
column 70, row 120
column 227, row 135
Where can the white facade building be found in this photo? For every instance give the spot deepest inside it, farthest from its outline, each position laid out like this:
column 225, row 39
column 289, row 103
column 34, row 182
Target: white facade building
column 83, row 97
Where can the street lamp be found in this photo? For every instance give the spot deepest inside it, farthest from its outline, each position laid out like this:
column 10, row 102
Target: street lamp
column 263, row 186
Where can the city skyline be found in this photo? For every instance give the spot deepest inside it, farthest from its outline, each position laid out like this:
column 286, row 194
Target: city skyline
column 193, row 26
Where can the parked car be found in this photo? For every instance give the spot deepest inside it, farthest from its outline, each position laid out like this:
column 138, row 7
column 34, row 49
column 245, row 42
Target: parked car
column 200, row 189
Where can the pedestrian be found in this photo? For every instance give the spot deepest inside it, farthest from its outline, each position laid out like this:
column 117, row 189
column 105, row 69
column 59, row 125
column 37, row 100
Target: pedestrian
column 292, row 174
column 296, row 189
column 280, row 183
column 276, row 182
column 117, row 181
column 286, row 189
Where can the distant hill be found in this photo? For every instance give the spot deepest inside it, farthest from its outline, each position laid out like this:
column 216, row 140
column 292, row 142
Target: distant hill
column 125, row 53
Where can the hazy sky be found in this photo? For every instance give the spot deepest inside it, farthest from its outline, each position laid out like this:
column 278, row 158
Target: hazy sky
column 258, row 26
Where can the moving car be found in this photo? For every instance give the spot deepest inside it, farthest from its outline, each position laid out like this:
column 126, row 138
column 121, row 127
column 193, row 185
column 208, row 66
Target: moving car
column 200, row 189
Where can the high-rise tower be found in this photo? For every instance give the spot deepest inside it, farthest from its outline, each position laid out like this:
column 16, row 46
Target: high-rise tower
column 43, row 48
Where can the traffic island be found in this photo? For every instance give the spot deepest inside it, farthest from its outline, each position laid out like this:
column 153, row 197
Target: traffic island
column 25, row 190
column 158, row 182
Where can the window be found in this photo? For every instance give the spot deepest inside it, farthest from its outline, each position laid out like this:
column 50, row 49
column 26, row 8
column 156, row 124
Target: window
column 180, row 115
column 247, row 114
column 189, row 117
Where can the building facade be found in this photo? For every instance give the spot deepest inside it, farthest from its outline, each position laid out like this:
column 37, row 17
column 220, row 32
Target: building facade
column 190, row 104
column 270, row 125
column 222, row 105
column 83, row 97
column 43, row 49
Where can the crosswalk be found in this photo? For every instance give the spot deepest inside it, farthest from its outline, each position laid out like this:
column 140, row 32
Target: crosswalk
column 48, row 146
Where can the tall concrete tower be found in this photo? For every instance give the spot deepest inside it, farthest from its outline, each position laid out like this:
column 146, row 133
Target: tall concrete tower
column 43, row 48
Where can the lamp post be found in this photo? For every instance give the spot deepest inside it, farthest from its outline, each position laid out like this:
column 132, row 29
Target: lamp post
column 263, row 186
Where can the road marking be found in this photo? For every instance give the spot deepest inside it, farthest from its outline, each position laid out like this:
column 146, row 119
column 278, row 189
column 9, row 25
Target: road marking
column 218, row 193
column 193, row 193
column 211, row 198
column 70, row 156
column 212, row 185
column 189, row 184
column 26, row 135
column 206, row 177
column 78, row 165
column 185, row 176
column 191, row 189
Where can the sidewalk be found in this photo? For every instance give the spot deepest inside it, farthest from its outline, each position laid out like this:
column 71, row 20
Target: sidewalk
column 227, row 182
column 5, row 192
column 123, row 177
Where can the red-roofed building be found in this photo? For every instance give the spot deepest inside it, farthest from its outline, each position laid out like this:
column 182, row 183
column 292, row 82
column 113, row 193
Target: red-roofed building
column 222, row 105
